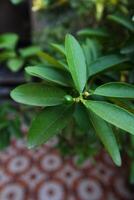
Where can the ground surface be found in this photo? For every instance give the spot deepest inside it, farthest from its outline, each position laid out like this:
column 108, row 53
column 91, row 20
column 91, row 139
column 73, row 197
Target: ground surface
column 42, row 174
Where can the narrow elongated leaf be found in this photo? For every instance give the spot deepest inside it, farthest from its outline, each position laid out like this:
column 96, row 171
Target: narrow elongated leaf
column 48, row 123
column 112, row 114
column 107, row 137
column 76, row 62
column 50, row 60
column 98, row 32
column 81, row 117
column 92, row 50
column 50, row 74
column 38, row 94
column 105, row 63
column 123, row 20
column 59, row 48
column 115, row 89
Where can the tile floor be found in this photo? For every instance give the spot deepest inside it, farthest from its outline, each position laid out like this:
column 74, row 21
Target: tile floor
column 42, row 174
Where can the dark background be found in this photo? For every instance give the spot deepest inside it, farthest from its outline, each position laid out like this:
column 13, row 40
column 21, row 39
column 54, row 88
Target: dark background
column 13, row 19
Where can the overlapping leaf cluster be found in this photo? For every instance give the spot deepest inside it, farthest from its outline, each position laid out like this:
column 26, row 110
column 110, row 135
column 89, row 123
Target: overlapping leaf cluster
column 15, row 58
column 69, row 94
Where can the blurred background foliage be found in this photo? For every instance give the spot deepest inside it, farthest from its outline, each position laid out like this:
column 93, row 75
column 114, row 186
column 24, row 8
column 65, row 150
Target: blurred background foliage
column 103, row 27
column 56, row 18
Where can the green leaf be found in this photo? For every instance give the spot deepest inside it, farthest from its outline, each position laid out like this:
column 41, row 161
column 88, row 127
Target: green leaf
column 51, row 60
column 92, row 50
column 98, row 32
column 8, row 41
column 112, row 114
column 123, row 20
column 76, row 62
column 107, row 137
column 48, row 123
column 81, row 117
column 50, row 74
column 38, row 94
column 115, row 89
column 105, row 63
column 4, row 140
column 124, row 103
column 14, row 128
column 128, row 49
column 59, row 48
column 15, row 64
column 29, row 51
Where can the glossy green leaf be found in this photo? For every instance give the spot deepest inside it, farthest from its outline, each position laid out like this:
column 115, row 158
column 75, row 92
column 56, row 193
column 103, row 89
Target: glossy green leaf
column 76, row 62
column 15, row 64
column 48, row 123
column 59, row 48
column 105, row 63
column 38, row 94
column 123, row 20
column 112, row 114
column 115, row 89
column 50, row 74
column 51, row 60
column 97, row 32
column 105, row 133
column 8, row 41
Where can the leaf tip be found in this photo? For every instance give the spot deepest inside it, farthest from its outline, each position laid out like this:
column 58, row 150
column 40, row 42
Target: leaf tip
column 27, row 70
column 30, row 145
column 12, row 94
column 118, row 161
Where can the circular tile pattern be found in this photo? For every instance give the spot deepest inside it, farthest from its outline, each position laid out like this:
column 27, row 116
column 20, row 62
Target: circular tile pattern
column 4, row 178
column 51, row 190
column 42, row 174
column 33, row 177
column 13, row 191
column 89, row 189
column 103, row 173
column 18, row 164
column 50, row 162
column 68, row 174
